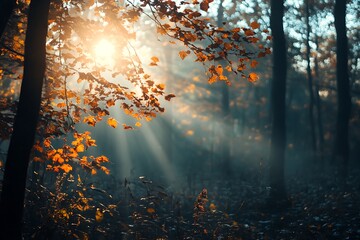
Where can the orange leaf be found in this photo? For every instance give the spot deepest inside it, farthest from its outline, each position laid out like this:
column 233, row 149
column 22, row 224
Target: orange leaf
column 204, row 6
column 253, row 63
column 66, row 167
column 155, row 59
column 90, row 120
column 93, row 171
column 112, row 122
column 150, row 210
column 80, row 148
column 254, row 25
column 253, row 77
column 138, row 124
column 183, row 54
column 47, row 143
column 110, row 102
column 219, row 69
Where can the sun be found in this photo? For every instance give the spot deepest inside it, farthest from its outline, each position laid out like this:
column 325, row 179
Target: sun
column 104, row 52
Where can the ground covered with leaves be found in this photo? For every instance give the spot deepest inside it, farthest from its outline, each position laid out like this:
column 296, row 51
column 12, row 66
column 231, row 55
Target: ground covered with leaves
column 210, row 208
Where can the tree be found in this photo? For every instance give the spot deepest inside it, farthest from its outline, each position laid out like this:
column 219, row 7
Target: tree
column 278, row 92
column 6, row 8
column 22, row 140
column 343, row 90
column 60, row 106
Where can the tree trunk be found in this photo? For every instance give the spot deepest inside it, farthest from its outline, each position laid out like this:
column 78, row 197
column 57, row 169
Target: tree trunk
column 22, row 140
column 6, row 8
column 341, row 153
column 225, row 106
column 310, row 85
column 318, row 108
column 278, row 92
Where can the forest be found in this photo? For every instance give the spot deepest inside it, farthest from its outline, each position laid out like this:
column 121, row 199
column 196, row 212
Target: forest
column 169, row 119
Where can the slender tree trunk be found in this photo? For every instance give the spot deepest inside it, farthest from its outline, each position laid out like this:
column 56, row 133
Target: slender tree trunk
column 310, row 84
column 6, row 8
column 318, row 108
column 225, row 106
column 344, row 99
column 278, row 92
column 22, row 140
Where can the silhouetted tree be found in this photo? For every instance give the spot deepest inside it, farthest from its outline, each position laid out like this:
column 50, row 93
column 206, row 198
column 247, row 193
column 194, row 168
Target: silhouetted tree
column 22, row 140
column 6, row 8
column 342, row 79
column 278, row 91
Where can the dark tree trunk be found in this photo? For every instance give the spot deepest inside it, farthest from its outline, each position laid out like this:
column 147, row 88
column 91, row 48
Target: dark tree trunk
column 278, row 92
column 310, row 84
column 341, row 153
column 225, row 106
column 6, row 8
column 318, row 108
column 22, row 139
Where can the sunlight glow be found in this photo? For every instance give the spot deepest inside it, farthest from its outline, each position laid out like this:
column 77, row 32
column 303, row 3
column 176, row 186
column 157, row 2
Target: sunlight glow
column 104, row 52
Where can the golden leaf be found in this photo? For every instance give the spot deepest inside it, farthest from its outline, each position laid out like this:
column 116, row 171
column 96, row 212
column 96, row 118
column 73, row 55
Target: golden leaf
column 110, row 102
column 90, row 120
column 80, row 148
column 112, row 122
column 99, row 215
column 155, row 59
column 138, row 124
column 219, row 69
column 93, row 171
column 253, row 77
column 66, row 167
column 47, row 143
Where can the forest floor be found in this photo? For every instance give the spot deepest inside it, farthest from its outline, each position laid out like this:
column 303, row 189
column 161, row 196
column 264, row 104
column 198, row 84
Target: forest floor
column 234, row 209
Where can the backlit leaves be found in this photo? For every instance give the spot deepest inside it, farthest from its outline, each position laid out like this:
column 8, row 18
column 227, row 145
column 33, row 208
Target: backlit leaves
column 112, row 122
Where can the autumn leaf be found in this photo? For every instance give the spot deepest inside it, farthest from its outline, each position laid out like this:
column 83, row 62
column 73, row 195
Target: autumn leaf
column 47, row 143
column 254, row 25
column 161, row 86
column 90, row 120
column 253, row 63
column 212, row 79
column 61, row 105
column 80, row 148
column 127, row 127
column 219, row 69
column 253, row 77
column 154, row 60
column 169, row 97
column 66, row 167
column 249, row 32
column 138, row 124
column 204, row 5
column 112, row 122
column 110, row 102
column 93, row 171
column 150, row 210
column 37, row 159
column 99, row 215
column 183, row 54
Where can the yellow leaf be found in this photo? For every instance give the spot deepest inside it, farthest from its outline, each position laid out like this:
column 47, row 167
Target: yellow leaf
column 161, row 86
column 93, row 171
column 212, row 79
column 150, row 210
column 253, row 77
column 219, row 69
column 254, row 25
column 99, row 215
column 80, row 148
column 138, row 124
column 112, row 122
